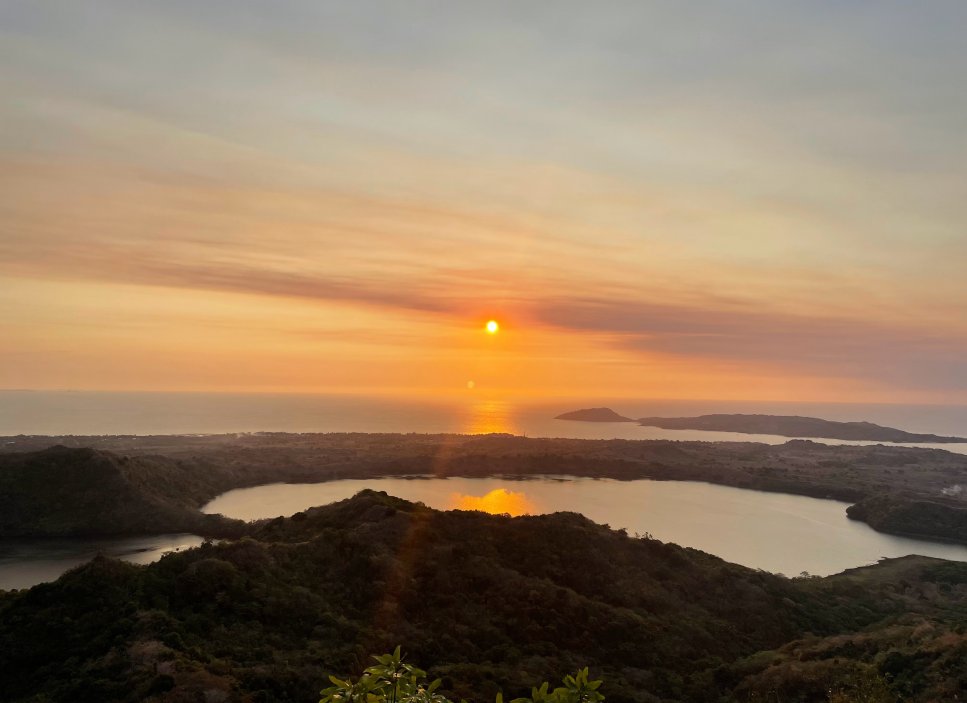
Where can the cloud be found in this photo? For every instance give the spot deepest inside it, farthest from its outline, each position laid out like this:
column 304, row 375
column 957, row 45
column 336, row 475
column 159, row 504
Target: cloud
column 147, row 268
column 655, row 176
column 709, row 330
column 903, row 355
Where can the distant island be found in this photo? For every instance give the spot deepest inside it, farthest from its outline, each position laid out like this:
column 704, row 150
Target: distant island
column 781, row 425
column 794, row 426
column 594, row 415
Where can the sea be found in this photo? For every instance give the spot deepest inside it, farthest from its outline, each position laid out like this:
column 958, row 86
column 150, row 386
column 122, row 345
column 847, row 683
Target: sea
column 775, row 532
column 151, row 413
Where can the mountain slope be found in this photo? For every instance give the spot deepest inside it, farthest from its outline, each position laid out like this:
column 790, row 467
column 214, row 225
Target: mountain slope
column 478, row 598
column 62, row 492
column 52, row 491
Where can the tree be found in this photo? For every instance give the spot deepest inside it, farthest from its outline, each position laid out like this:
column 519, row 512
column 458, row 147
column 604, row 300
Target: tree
column 391, row 680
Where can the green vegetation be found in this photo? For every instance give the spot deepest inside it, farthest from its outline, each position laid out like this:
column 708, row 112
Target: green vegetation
column 136, row 485
column 495, row 603
column 391, row 680
column 908, row 515
column 61, row 492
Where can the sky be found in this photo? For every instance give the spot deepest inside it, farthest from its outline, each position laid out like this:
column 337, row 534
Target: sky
column 746, row 200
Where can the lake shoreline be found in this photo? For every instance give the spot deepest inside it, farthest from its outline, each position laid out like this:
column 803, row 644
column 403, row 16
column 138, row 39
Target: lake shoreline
column 767, row 520
column 54, row 556
column 172, row 477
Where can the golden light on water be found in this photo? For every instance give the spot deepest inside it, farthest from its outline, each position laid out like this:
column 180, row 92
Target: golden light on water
column 489, row 416
column 499, row 501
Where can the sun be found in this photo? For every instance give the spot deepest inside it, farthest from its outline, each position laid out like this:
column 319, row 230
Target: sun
column 492, row 327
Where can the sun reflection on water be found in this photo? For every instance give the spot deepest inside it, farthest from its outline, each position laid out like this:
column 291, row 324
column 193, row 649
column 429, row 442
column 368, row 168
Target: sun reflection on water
column 499, row 501
column 489, row 416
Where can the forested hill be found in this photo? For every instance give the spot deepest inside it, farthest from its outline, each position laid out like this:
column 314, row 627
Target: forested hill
column 133, row 485
column 482, row 599
column 61, row 492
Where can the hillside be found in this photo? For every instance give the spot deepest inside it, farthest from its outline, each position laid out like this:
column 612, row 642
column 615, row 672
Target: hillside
column 912, row 516
column 172, row 476
column 481, row 599
column 794, row 426
column 61, row 492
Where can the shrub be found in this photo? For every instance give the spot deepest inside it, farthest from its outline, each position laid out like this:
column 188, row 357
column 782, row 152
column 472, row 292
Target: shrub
column 391, row 680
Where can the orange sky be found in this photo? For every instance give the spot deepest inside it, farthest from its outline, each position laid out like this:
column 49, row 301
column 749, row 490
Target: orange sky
column 322, row 197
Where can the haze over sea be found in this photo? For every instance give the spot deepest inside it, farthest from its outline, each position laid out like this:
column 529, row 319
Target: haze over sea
column 144, row 413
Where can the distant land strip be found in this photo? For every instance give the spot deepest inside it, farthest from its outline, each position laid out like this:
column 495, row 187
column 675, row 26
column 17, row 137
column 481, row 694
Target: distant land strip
column 781, row 425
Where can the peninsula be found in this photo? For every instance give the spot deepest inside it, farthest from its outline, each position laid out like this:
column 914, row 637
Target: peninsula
column 781, row 425
column 795, row 426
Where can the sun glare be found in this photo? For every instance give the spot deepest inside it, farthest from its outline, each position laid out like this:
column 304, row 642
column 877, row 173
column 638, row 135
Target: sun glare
column 498, row 502
column 492, row 327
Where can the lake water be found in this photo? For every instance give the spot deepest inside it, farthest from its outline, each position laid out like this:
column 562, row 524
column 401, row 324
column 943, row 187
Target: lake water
column 84, row 412
column 772, row 531
column 24, row 563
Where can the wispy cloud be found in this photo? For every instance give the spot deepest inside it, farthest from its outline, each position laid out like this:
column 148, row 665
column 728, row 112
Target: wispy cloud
column 899, row 354
column 764, row 185
column 902, row 355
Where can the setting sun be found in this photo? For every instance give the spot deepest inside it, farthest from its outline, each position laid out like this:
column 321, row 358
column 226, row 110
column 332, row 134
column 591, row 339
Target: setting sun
column 242, row 308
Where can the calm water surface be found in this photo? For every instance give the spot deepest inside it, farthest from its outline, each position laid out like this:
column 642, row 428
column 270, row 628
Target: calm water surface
column 86, row 412
column 24, row 563
column 781, row 533
column 772, row 531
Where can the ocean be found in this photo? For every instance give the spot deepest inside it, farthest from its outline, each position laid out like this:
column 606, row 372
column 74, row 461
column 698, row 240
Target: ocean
column 145, row 413
column 771, row 531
